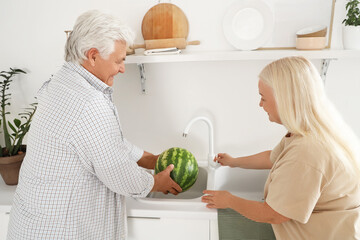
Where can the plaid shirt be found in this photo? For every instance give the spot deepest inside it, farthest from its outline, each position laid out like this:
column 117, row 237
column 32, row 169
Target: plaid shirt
column 78, row 166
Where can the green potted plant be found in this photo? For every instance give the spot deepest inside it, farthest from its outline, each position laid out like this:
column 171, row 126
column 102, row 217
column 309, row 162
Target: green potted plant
column 351, row 28
column 13, row 153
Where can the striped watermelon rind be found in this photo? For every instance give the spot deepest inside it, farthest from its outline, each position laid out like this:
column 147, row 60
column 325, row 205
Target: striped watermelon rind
column 185, row 170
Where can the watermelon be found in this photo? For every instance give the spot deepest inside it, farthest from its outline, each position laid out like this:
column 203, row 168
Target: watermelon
column 185, row 170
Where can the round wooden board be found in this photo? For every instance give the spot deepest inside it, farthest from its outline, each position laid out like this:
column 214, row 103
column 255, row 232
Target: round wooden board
column 165, row 20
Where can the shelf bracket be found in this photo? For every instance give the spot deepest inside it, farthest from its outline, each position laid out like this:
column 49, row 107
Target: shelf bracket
column 142, row 77
column 324, row 68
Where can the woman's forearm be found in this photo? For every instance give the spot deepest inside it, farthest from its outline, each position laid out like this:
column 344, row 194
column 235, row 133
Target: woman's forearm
column 256, row 161
column 256, row 211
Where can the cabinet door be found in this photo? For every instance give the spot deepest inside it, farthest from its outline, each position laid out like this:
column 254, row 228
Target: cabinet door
column 165, row 229
column 4, row 222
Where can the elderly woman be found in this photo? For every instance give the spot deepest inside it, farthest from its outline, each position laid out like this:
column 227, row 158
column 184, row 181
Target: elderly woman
column 313, row 188
column 79, row 166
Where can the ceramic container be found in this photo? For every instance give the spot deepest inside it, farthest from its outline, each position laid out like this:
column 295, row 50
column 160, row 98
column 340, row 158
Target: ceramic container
column 310, row 43
column 351, row 37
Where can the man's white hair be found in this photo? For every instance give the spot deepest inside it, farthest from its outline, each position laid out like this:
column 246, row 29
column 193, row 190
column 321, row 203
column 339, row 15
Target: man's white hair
column 94, row 29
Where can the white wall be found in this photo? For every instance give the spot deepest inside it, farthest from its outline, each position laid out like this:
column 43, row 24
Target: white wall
column 33, row 38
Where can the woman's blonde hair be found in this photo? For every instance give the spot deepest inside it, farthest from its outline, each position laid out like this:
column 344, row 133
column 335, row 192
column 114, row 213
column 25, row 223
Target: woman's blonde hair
column 305, row 110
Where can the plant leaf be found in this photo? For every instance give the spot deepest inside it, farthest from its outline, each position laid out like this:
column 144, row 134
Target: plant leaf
column 11, row 137
column 17, row 122
column 12, row 126
column 19, row 71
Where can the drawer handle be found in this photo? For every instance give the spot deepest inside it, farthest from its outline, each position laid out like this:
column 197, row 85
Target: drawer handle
column 144, row 217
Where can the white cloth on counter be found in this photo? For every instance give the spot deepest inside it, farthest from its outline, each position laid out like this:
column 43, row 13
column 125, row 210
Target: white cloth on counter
column 162, row 51
column 78, row 166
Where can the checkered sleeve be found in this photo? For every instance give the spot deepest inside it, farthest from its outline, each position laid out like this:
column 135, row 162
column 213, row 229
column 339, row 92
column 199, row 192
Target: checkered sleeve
column 104, row 151
column 136, row 152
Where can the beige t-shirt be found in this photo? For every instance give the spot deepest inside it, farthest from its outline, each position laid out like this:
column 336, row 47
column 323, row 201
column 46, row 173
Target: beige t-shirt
column 313, row 189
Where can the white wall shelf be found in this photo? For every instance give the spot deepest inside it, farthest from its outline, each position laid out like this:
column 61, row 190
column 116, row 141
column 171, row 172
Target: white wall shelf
column 233, row 55
column 325, row 55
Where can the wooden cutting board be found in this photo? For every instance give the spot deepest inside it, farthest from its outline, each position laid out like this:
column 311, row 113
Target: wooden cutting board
column 163, row 21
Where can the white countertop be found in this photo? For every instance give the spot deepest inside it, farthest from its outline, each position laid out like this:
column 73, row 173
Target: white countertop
column 135, row 208
column 165, row 209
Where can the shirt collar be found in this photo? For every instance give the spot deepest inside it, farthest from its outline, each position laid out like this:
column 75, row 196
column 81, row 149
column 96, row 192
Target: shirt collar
column 90, row 78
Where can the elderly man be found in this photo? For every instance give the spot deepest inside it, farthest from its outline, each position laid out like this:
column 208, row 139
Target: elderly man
column 78, row 166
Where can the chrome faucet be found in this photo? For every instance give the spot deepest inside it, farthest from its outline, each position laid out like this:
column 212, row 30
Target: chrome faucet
column 211, row 154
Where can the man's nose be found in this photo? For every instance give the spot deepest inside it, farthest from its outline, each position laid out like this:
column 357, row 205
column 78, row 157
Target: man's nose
column 122, row 68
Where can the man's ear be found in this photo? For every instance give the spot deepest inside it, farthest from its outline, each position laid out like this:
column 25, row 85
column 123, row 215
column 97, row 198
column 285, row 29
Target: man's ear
column 91, row 55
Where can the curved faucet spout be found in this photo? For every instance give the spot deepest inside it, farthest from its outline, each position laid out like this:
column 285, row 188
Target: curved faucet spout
column 211, row 154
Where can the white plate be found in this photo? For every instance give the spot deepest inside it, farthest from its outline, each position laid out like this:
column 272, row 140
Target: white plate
column 311, row 29
column 248, row 24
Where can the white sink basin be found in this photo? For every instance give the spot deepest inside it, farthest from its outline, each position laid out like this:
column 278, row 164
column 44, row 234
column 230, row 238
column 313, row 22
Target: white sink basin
column 244, row 183
column 194, row 192
column 248, row 184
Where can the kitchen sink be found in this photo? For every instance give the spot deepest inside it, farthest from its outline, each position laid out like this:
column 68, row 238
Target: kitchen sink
column 191, row 195
column 244, row 183
column 194, row 192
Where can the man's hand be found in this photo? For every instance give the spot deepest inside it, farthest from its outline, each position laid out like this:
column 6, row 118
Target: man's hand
column 163, row 182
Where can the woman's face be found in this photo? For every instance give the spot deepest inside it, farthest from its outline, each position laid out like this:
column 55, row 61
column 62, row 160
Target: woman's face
column 267, row 102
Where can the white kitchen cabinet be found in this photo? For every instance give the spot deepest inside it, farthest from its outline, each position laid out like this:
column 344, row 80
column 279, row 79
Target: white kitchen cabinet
column 6, row 197
column 148, row 228
column 4, row 222
column 168, row 228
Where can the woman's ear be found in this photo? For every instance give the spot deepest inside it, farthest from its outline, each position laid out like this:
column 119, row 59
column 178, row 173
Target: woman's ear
column 91, row 55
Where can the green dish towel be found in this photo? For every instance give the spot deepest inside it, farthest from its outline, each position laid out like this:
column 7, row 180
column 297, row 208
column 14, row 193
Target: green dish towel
column 234, row 226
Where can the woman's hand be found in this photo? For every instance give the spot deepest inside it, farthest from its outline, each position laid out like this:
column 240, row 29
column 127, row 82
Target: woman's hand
column 256, row 211
column 225, row 160
column 217, row 199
